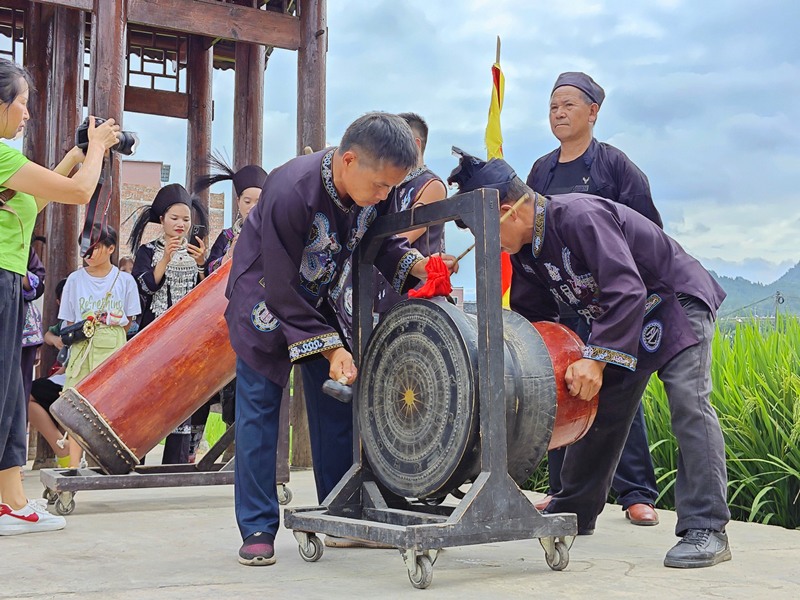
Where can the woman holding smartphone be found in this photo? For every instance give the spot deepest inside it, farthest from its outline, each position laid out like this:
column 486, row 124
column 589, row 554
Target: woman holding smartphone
column 25, row 189
column 167, row 269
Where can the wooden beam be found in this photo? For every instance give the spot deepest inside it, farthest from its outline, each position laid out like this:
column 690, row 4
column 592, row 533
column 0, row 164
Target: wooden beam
column 198, row 136
column 161, row 103
column 156, row 102
column 217, row 20
column 87, row 5
column 311, row 70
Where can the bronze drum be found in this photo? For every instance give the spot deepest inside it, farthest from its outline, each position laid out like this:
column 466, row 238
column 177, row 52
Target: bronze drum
column 418, row 408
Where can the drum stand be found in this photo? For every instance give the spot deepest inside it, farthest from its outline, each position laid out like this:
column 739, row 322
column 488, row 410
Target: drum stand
column 61, row 485
column 494, row 509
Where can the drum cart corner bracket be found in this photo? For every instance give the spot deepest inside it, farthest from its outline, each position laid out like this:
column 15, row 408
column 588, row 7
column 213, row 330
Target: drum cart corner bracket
column 444, row 399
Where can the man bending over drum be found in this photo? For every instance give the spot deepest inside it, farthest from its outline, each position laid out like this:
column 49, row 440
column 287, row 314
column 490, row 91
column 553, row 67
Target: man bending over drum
column 312, row 214
column 651, row 308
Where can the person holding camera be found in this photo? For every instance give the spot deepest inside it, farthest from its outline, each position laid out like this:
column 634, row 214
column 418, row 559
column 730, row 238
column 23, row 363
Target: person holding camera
column 25, row 189
column 105, row 297
column 167, row 269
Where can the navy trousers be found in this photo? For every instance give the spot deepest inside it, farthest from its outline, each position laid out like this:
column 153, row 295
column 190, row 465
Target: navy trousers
column 258, row 402
column 634, row 479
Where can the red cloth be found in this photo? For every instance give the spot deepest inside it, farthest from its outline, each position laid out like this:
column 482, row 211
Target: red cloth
column 438, row 283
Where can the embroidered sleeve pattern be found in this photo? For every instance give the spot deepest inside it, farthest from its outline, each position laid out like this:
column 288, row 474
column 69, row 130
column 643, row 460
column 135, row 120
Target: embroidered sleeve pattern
column 404, row 269
column 607, row 355
column 143, row 285
column 652, row 301
column 314, row 345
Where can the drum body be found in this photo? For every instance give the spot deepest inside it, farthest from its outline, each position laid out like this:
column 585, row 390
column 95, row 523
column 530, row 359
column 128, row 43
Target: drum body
column 152, row 384
column 418, row 407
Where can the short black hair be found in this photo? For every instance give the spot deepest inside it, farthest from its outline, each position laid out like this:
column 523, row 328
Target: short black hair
column 60, row 288
column 10, row 75
column 382, row 137
column 516, row 190
column 104, row 234
column 418, row 126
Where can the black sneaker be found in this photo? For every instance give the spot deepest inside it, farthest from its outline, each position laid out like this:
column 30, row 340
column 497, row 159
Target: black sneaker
column 699, row 548
column 257, row 550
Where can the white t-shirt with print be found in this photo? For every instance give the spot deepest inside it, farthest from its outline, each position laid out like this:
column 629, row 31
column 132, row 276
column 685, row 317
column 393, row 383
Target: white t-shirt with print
column 84, row 295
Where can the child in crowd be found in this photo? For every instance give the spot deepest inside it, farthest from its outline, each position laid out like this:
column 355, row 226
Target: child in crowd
column 102, row 292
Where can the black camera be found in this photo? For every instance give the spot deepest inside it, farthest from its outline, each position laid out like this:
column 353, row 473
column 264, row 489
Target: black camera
column 127, row 140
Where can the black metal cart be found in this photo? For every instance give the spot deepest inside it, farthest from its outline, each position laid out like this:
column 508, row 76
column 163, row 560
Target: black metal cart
column 494, row 508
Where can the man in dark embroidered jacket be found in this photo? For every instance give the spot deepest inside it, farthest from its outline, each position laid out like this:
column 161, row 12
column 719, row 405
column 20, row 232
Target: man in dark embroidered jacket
column 312, row 213
column 582, row 164
column 651, row 308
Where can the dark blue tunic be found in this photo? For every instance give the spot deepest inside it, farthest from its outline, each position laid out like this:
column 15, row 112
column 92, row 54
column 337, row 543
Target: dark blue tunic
column 290, row 252
column 619, row 271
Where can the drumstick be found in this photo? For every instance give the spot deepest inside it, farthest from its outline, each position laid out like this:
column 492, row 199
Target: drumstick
column 502, row 220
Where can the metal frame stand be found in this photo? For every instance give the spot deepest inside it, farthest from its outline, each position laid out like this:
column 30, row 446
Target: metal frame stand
column 494, row 509
column 61, row 485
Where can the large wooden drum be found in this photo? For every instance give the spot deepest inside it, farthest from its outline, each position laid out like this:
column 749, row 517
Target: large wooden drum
column 122, row 409
column 418, row 406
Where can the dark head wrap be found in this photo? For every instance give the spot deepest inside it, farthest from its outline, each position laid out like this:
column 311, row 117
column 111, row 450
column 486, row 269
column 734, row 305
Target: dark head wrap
column 174, row 193
column 584, row 83
column 167, row 196
column 473, row 173
column 246, row 177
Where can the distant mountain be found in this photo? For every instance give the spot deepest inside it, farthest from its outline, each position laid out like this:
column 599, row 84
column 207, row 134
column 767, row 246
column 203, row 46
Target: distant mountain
column 746, row 298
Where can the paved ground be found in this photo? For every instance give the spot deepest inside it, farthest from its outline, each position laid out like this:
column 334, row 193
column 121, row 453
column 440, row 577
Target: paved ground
column 181, row 543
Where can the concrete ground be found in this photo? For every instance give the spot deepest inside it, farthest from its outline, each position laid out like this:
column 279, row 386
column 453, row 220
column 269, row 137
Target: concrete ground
column 175, row 543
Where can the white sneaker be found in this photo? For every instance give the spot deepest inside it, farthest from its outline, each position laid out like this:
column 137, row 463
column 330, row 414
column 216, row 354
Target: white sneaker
column 30, row 519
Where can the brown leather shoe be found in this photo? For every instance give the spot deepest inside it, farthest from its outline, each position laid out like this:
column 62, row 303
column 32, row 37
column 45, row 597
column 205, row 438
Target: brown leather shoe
column 642, row 514
column 542, row 504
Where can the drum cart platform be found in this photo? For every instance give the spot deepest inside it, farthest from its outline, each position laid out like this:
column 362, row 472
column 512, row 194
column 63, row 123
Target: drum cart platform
column 61, row 485
column 493, row 509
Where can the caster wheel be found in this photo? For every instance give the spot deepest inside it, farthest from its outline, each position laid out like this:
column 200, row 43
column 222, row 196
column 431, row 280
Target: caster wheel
column 284, row 495
column 423, row 575
column 560, row 558
column 65, row 509
column 50, row 496
column 313, row 551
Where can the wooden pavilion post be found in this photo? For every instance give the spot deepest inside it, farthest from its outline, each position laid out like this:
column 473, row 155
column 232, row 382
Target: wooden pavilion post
column 199, row 86
column 311, row 75
column 248, row 102
column 39, row 24
column 107, row 81
column 65, row 109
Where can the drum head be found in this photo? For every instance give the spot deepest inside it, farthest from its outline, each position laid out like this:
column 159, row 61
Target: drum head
column 416, row 399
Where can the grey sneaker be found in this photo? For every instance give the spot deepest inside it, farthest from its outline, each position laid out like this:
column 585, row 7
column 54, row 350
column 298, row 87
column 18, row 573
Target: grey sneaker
column 699, row 548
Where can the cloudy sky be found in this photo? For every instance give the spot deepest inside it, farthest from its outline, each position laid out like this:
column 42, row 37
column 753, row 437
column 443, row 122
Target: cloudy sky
column 703, row 96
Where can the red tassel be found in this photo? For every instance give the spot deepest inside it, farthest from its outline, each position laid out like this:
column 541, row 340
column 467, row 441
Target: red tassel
column 438, row 283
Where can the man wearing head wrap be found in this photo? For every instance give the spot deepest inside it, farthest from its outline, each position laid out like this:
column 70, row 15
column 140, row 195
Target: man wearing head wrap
column 313, row 212
column 582, row 164
column 650, row 308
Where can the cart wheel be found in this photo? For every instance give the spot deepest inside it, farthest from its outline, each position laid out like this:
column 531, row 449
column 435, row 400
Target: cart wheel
column 311, row 552
column 65, row 509
column 423, row 575
column 50, row 496
column 284, row 495
column 559, row 560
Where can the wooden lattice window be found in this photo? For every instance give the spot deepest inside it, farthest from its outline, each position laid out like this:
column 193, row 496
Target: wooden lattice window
column 12, row 34
column 156, row 60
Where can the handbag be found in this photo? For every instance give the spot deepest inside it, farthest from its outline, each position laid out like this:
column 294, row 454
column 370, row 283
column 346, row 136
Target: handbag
column 84, row 330
column 79, row 331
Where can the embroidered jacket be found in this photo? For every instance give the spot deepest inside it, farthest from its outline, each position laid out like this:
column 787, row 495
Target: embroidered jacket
column 290, row 252
column 615, row 175
column 219, row 250
column 619, row 271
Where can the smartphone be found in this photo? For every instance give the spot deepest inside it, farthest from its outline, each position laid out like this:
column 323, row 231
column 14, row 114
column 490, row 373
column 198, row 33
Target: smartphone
column 197, row 231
